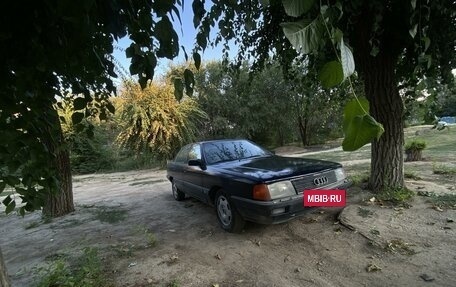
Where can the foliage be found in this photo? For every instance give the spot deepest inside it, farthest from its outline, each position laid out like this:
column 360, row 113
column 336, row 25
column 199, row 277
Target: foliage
column 392, row 42
column 88, row 141
column 395, row 195
column 152, row 120
column 87, row 272
column 54, row 48
column 415, row 145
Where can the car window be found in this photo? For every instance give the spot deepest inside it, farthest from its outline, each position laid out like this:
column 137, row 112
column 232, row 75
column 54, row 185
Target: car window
column 195, row 152
column 182, row 155
column 220, row 151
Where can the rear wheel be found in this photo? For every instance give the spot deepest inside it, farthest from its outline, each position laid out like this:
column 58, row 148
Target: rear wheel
column 227, row 215
column 177, row 193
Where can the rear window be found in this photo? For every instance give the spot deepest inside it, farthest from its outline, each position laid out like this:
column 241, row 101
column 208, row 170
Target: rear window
column 221, row 151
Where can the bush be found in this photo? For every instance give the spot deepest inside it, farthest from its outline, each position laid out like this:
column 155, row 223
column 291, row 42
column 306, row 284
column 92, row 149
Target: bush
column 415, row 145
column 413, row 150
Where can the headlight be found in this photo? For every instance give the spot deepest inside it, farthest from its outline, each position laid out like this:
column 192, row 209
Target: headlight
column 340, row 174
column 281, row 189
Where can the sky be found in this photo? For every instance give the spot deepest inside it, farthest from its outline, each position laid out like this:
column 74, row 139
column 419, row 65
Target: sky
column 187, row 36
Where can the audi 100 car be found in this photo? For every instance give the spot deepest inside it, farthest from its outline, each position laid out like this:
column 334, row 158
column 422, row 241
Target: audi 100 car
column 248, row 183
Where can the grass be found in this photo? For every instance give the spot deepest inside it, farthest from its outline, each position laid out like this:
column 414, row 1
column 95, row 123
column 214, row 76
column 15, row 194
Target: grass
column 412, row 175
column 445, row 200
column 444, row 169
column 358, row 178
column 173, row 283
column 396, row 195
column 110, row 214
column 86, row 271
column 148, row 240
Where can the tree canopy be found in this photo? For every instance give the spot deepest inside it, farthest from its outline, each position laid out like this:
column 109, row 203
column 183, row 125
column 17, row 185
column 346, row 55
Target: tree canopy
column 388, row 42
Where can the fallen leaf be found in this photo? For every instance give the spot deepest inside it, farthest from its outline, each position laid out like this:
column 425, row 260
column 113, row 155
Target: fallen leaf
column 372, row 199
column 372, row 267
column 218, row 257
column 437, row 208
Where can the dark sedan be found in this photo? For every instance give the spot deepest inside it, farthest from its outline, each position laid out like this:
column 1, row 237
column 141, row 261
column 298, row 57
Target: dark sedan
column 246, row 182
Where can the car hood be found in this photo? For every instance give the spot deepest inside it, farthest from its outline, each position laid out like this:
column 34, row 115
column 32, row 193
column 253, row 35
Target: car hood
column 274, row 167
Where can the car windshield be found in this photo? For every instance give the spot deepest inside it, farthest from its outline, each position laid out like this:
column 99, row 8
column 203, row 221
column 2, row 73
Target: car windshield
column 220, row 151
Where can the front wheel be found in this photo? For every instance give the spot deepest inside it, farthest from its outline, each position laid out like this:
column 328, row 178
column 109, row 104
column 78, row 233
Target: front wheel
column 177, row 193
column 227, row 215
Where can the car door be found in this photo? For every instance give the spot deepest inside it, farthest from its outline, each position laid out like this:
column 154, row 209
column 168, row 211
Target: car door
column 178, row 168
column 194, row 174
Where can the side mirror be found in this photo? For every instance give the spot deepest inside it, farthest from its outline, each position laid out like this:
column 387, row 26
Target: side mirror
column 197, row 162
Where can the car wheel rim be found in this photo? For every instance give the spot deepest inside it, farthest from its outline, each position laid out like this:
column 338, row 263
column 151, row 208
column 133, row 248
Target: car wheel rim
column 174, row 188
column 224, row 210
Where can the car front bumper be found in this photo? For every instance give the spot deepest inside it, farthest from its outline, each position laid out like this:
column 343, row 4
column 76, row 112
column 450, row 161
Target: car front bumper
column 279, row 210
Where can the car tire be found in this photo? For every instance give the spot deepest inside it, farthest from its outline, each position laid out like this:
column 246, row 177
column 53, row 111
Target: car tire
column 177, row 193
column 228, row 216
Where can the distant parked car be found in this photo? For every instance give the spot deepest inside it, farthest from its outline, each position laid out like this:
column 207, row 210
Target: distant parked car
column 246, row 182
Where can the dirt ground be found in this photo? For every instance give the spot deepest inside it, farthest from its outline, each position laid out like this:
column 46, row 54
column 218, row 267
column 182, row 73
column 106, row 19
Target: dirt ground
column 158, row 240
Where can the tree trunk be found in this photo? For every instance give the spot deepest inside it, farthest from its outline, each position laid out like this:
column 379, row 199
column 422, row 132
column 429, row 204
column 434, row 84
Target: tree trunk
column 381, row 89
column 386, row 106
column 387, row 158
column 4, row 278
column 303, row 130
column 60, row 203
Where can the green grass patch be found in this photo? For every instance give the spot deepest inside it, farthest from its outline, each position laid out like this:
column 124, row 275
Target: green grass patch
column 86, row 271
column 357, row 179
column 412, row 175
column 174, row 283
column 395, row 195
column 108, row 214
column 444, row 200
column 444, row 169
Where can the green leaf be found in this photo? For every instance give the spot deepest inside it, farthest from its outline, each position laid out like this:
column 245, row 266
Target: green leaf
column 10, row 207
column 296, row 8
column 7, row 200
column 360, row 128
column 304, row 34
column 331, row 74
column 346, row 57
column 198, row 12
column 189, row 82
column 413, row 30
column 79, row 103
column 77, row 117
column 178, row 89
column 427, row 42
column 355, row 108
column 264, row 2
column 197, row 59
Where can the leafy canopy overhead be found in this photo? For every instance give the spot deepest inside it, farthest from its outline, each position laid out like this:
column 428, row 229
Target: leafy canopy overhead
column 62, row 50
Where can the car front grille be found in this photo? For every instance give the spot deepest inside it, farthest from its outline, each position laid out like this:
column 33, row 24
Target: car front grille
column 314, row 181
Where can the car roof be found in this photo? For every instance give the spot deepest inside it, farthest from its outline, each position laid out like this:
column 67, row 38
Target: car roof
column 219, row 140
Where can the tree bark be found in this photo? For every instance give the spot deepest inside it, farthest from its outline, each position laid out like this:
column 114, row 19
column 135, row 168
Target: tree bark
column 60, row 203
column 4, row 278
column 387, row 158
column 386, row 106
